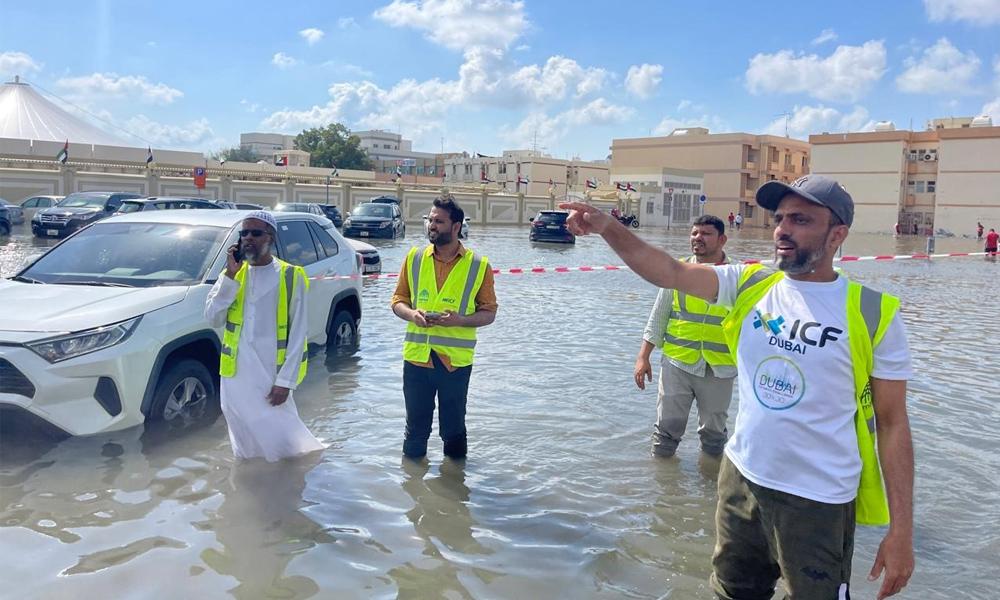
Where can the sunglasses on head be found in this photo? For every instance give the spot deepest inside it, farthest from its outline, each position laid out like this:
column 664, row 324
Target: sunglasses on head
column 253, row 232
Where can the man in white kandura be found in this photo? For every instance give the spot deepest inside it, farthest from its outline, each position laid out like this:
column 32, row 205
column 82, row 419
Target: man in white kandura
column 262, row 303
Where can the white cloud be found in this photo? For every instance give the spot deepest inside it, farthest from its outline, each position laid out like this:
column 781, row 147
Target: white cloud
column 827, row 35
column 713, row 123
column 18, row 63
column 347, row 23
column 100, row 85
column 523, row 48
column 642, row 80
column 196, row 135
column 844, row 76
column 459, row 24
column 540, row 127
column 807, row 120
column 684, row 105
column 312, row 36
column 943, row 69
column 556, row 78
column 250, row 107
column 975, row 12
column 283, row 61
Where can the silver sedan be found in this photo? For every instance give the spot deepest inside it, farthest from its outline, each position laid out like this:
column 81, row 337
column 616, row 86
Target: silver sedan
column 15, row 211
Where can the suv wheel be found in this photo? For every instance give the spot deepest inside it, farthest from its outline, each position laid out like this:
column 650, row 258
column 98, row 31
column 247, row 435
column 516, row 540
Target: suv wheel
column 343, row 333
column 4, row 228
column 183, row 393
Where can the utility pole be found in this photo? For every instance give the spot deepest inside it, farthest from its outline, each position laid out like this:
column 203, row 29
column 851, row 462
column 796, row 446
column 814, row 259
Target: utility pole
column 787, row 115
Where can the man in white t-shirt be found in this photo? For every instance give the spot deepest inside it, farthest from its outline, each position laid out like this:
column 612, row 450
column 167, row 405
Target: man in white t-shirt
column 823, row 364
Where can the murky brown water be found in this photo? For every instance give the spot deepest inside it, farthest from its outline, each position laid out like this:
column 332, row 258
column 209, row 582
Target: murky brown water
column 559, row 498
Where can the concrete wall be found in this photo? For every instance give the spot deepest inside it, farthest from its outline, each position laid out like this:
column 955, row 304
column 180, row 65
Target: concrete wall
column 873, row 173
column 482, row 206
column 968, row 187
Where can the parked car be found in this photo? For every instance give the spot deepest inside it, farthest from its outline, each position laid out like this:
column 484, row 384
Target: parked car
column 333, row 213
column 4, row 221
column 463, row 233
column 305, row 207
column 377, row 218
column 106, row 329
column 77, row 210
column 225, row 204
column 35, row 203
column 550, row 226
column 371, row 262
column 14, row 212
column 248, row 206
column 164, row 203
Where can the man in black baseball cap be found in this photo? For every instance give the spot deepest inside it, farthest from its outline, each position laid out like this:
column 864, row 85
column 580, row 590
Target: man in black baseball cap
column 822, row 369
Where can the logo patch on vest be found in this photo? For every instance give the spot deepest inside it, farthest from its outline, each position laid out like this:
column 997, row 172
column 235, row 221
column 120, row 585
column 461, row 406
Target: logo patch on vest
column 424, row 295
column 778, row 383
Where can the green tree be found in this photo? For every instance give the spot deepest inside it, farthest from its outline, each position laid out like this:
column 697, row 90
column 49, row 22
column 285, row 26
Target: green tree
column 331, row 146
column 236, row 154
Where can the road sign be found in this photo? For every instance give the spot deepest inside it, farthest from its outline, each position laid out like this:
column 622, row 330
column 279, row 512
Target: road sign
column 670, row 190
column 702, row 199
column 199, row 177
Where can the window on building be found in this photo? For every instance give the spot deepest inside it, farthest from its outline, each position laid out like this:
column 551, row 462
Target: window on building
column 666, row 206
column 919, row 189
column 503, row 168
column 649, row 207
column 931, row 186
column 910, row 186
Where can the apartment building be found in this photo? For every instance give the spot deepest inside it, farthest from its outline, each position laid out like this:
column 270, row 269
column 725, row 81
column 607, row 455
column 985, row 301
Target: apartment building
column 733, row 165
column 944, row 179
column 527, row 171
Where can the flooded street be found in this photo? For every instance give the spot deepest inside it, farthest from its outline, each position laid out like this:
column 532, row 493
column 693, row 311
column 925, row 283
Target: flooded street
column 559, row 497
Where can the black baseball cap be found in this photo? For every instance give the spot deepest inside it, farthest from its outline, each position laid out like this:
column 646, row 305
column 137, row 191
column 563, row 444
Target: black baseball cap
column 818, row 189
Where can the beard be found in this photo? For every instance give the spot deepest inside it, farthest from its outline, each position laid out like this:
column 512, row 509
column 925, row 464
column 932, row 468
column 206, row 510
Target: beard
column 253, row 253
column 440, row 238
column 803, row 261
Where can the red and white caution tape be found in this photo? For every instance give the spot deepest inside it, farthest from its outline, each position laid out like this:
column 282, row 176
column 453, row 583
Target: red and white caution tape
column 587, row 269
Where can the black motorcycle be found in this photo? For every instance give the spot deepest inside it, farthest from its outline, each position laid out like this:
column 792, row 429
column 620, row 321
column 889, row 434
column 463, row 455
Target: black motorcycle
column 630, row 220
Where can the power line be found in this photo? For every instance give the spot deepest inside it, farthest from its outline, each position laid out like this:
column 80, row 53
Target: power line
column 84, row 110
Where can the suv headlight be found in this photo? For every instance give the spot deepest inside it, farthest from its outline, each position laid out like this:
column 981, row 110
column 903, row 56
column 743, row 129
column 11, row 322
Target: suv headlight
column 384, row 224
column 65, row 347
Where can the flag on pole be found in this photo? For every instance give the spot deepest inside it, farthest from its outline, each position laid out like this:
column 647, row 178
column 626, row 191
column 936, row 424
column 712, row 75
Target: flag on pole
column 521, row 180
column 149, row 155
column 335, row 173
column 222, row 161
column 591, row 184
column 63, row 155
column 399, row 171
column 551, row 183
column 281, row 161
column 620, row 186
column 629, row 187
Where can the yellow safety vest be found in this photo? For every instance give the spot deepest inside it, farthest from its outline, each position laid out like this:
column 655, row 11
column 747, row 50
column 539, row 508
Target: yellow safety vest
column 458, row 295
column 694, row 330
column 868, row 316
column 287, row 280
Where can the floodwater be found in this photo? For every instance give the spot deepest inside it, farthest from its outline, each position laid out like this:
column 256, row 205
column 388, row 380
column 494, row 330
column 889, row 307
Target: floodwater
column 559, row 497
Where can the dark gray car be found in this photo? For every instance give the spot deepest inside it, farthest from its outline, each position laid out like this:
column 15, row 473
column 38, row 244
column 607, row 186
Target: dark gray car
column 76, row 211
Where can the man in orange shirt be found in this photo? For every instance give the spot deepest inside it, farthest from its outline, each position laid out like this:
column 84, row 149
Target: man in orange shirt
column 432, row 294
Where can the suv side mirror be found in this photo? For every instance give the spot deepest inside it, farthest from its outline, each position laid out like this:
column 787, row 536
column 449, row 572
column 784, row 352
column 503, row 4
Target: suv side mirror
column 531, row 219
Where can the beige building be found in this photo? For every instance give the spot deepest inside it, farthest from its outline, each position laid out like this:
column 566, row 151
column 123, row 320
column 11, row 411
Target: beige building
column 944, row 179
column 661, row 197
column 536, row 168
column 734, row 165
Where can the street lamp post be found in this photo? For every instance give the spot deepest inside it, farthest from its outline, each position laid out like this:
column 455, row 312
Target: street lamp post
column 328, row 189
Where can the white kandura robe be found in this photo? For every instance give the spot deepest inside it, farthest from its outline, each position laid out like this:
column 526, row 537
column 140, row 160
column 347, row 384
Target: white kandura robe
column 257, row 429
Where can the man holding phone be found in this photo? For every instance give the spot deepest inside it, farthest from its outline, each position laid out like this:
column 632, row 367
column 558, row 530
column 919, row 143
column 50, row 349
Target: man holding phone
column 262, row 303
column 445, row 292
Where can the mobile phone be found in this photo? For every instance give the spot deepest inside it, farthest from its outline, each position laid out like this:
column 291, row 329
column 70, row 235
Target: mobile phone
column 238, row 255
column 433, row 315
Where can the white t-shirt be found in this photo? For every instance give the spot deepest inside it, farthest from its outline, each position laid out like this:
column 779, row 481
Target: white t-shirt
column 795, row 427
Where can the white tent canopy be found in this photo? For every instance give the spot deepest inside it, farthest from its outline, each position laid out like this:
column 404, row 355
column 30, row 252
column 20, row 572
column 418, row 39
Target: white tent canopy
column 27, row 115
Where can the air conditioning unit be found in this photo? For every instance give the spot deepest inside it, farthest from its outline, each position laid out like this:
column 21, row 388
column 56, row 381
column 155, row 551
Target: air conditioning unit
column 929, row 157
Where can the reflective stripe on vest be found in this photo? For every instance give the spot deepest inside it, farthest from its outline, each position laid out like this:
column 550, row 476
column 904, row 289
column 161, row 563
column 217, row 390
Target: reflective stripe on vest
column 694, row 331
column 868, row 316
column 288, row 285
column 457, row 294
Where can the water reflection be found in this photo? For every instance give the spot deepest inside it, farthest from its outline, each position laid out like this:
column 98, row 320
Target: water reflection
column 261, row 528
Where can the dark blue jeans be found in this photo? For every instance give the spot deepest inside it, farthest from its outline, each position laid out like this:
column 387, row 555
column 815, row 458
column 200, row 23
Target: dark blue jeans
column 420, row 386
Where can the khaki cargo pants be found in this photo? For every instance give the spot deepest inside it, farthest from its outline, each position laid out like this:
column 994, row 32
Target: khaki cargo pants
column 763, row 534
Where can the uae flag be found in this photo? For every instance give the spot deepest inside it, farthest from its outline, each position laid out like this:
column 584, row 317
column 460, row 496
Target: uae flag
column 149, row 155
column 521, row 180
column 551, row 183
column 620, row 186
column 629, row 188
column 399, row 171
column 591, row 184
column 281, row 161
column 63, row 155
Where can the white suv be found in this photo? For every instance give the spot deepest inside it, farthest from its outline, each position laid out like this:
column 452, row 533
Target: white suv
column 106, row 329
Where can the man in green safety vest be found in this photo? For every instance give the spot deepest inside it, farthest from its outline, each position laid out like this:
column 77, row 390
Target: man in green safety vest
column 696, row 364
column 823, row 364
column 445, row 292
column 261, row 301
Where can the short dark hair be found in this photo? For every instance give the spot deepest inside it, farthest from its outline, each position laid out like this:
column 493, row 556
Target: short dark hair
column 712, row 220
column 447, row 203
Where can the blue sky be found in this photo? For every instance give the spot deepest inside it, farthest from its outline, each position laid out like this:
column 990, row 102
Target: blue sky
column 493, row 75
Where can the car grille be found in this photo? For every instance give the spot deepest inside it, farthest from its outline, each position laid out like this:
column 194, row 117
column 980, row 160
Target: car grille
column 12, row 381
column 54, row 219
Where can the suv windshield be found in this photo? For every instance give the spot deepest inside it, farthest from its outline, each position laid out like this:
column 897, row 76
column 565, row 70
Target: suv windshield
column 372, row 210
column 85, row 200
column 132, row 254
column 556, row 218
